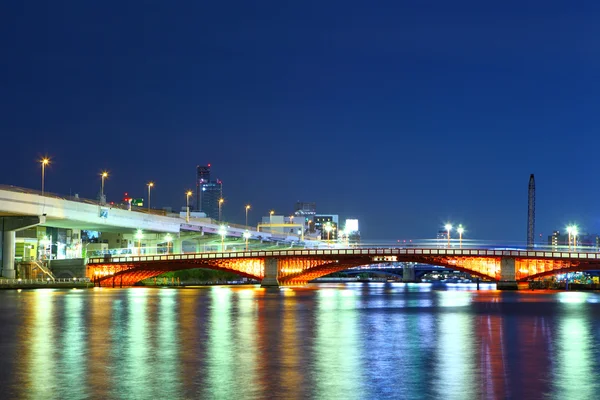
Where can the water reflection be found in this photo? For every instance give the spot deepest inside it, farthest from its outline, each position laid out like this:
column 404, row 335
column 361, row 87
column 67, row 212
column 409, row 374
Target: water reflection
column 338, row 341
column 41, row 355
column 338, row 347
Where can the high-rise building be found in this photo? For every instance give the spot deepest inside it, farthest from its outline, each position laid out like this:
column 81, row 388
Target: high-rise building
column 202, row 177
column 208, row 193
column 212, row 192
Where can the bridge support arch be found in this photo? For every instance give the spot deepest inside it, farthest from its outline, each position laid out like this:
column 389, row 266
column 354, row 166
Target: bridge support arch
column 271, row 273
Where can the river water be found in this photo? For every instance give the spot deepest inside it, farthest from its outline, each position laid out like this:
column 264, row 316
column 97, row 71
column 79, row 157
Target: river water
column 328, row 341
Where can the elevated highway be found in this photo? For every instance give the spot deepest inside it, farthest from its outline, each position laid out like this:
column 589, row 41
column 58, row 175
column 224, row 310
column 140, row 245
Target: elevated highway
column 72, row 212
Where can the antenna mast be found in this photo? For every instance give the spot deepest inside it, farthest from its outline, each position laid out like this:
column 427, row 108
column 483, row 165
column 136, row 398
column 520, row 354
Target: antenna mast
column 531, row 212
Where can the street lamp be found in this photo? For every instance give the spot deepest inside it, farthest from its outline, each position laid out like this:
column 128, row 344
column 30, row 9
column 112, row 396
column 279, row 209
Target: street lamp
column 222, row 232
column 448, row 229
column 571, row 230
column 168, row 239
column 187, row 205
column 221, row 201
column 139, row 235
column 328, row 229
column 150, row 186
column 103, row 176
column 247, row 236
column 460, row 231
column 247, row 208
column 45, row 161
column 575, row 232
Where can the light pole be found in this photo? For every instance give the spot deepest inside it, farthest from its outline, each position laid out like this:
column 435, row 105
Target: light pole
column 187, row 205
column 247, row 208
column 139, row 235
column 271, row 220
column 575, row 232
column 150, row 186
column 448, row 229
column 222, row 232
column 221, row 201
column 328, row 230
column 45, row 161
column 103, row 176
column 460, row 231
column 247, row 236
column 570, row 230
column 168, row 238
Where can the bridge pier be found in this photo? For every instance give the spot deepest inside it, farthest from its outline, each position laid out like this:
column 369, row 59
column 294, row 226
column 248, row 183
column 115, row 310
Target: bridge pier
column 408, row 274
column 271, row 273
column 10, row 225
column 508, row 280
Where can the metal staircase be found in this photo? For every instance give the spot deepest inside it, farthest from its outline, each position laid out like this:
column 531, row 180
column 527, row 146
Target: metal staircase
column 42, row 267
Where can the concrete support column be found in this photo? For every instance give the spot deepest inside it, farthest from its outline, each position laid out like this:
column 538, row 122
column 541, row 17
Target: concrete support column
column 408, row 274
column 508, row 273
column 8, row 254
column 197, row 246
column 9, row 226
column 271, row 273
column 176, row 249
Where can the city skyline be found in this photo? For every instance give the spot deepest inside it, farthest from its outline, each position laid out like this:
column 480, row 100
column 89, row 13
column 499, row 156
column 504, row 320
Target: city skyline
column 406, row 117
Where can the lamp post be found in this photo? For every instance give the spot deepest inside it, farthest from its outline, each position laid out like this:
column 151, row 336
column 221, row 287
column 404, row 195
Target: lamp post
column 448, row 229
column 247, row 208
column 271, row 219
column 103, row 176
column 187, row 205
column 328, row 230
column 575, row 232
column 168, row 239
column 460, row 231
column 222, row 232
column 139, row 235
column 221, row 201
column 247, row 236
column 150, row 186
column 45, row 161
column 570, row 231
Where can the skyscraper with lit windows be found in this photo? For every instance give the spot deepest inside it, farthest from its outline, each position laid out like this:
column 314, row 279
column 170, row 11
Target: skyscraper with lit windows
column 208, row 192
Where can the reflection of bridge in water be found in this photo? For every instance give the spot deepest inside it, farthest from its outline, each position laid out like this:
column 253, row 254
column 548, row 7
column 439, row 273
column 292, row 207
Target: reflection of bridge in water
column 294, row 267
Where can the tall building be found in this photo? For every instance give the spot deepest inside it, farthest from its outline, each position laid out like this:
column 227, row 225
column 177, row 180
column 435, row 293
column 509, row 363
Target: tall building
column 211, row 193
column 208, row 193
column 202, row 177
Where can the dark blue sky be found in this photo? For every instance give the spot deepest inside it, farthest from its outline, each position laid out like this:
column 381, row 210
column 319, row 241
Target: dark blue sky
column 403, row 114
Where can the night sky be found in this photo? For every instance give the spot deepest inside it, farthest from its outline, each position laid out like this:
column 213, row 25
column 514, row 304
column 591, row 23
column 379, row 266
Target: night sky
column 404, row 114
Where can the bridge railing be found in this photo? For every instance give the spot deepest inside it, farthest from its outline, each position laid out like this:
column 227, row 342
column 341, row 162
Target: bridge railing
column 78, row 199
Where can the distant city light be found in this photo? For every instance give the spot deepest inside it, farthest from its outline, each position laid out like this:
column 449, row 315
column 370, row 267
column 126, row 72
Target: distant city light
column 351, row 226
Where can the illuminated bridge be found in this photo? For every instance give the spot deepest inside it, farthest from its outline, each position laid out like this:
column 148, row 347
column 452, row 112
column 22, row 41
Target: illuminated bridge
column 296, row 267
